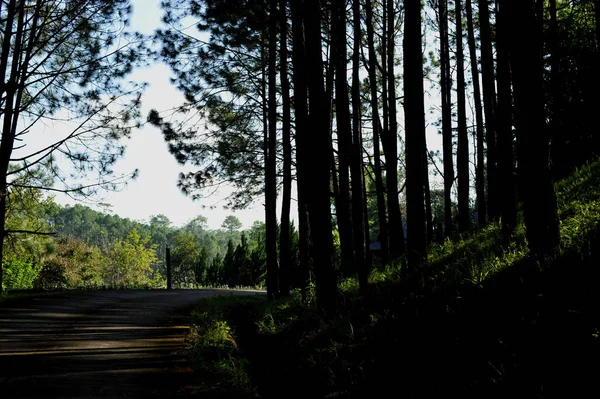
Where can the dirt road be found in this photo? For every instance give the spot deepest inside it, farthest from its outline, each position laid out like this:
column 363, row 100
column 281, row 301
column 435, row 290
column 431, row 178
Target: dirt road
column 106, row 344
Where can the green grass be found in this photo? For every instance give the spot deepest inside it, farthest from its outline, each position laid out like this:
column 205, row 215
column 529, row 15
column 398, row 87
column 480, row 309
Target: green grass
column 485, row 321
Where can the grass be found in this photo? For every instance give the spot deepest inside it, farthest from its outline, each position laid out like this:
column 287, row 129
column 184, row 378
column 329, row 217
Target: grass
column 486, row 321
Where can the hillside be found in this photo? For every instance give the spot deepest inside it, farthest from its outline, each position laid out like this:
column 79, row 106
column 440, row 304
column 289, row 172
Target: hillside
column 485, row 320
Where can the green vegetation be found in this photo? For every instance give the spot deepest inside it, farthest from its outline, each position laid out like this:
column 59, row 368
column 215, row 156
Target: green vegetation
column 92, row 250
column 488, row 320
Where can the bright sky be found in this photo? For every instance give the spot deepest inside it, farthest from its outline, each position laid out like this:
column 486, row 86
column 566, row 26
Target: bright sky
column 155, row 191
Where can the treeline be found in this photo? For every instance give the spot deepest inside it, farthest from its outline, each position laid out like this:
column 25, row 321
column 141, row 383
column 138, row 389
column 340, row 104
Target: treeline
column 328, row 98
column 91, row 249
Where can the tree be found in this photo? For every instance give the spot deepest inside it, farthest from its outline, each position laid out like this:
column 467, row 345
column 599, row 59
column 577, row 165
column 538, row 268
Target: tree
column 390, row 142
column 271, row 159
column 489, row 106
column 414, row 111
column 129, row 263
column 185, row 257
column 446, row 92
column 231, row 224
column 317, row 135
column 536, row 186
column 462, row 156
column 506, row 188
column 61, row 63
column 284, row 236
column 344, row 134
column 480, row 141
column 218, row 129
column 356, row 160
column 383, row 224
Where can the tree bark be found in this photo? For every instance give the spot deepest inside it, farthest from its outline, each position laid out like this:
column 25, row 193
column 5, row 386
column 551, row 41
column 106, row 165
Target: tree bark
column 356, row 164
column 538, row 195
column 12, row 92
column 446, row 93
column 301, row 123
column 318, row 136
column 489, row 106
column 390, row 144
column 284, row 234
column 506, row 187
column 479, row 139
column 270, row 160
column 383, row 229
column 414, row 110
column 344, row 135
column 462, row 151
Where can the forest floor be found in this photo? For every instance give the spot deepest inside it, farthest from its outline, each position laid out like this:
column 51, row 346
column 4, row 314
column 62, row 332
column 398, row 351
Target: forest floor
column 102, row 344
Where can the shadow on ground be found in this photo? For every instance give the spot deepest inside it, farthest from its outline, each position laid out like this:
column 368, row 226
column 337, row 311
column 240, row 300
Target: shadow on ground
column 110, row 344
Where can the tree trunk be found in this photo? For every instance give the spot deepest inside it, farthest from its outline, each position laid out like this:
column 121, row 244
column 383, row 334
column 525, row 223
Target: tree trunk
column 414, row 110
column 479, row 139
column 300, row 118
column 383, row 236
column 390, row 144
column 344, row 134
column 284, row 234
column 9, row 90
column 538, row 195
column 489, row 106
column 270, row 160
column 506, row 187
column 462, row 151
column 427, row 191
column 318, row 168
column 446, row 94
column 356, row 164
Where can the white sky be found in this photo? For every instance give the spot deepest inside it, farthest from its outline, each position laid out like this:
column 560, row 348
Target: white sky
column 155, row 191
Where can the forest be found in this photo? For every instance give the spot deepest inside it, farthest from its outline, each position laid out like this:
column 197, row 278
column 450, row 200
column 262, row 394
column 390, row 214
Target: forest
column 94, row 250
column 469, row 265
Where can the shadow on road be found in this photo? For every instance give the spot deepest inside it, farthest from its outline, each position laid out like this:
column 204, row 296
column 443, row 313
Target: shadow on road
column 112, row 344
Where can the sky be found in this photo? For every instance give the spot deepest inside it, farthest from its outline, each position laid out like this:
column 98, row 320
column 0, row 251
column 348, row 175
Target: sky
column 155, row 190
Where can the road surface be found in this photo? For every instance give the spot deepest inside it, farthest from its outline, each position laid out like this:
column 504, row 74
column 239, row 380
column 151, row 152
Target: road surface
column 103, row 344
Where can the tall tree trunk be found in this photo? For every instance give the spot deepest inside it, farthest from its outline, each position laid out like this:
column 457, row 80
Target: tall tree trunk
column 284, row 234
column 506, row 187
column 462, row 151
column 356, row 164
column 390, row 144
column 414, row 110
column 479, row 138
column 427, row 191
column 344, row 134
column 301, row 123
column 539, row 197
column 270, row 160
column 318, row 136
column 383, row 230
column 446, row 94
column 8, row 136
column 489, row 106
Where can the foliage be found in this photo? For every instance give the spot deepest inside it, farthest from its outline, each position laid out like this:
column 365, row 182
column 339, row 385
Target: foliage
column 129, row 263
column 19, row 274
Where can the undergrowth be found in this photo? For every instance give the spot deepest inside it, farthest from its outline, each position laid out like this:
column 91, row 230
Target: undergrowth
column 479, row 324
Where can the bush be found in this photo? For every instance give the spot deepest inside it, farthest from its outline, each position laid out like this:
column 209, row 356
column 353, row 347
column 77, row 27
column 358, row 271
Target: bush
column 52, row 275
column 19, row 274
